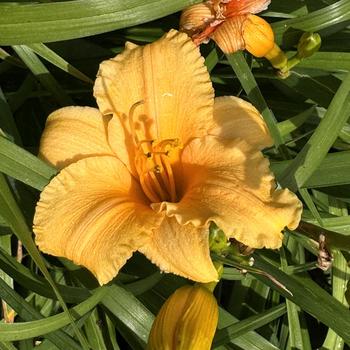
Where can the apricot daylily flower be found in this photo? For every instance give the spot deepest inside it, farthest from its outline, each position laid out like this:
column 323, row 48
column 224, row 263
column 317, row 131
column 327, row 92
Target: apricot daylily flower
column 155, row 165
column 233, row 25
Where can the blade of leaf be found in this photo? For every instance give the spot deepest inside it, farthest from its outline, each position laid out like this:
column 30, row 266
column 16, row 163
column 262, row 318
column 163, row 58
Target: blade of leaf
column 76, row 19
column 32, row 61
column 5, row 244
column 93, row 331
column 31, row 329
column 38, row 284
column 307, row 294
column 129, row 311
column 13, row 215
column 7, row 346
column 296, row 339
column 316, row 148
column 24, row 166
column 27, row 312
column 340, row 278
column 51, row 56
column 338, row 12
column 7, row 124
column 225, row 335
column 332, row 171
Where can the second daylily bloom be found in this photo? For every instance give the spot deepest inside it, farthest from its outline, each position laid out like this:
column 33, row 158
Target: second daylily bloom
column 233, row 25
column 154, row 165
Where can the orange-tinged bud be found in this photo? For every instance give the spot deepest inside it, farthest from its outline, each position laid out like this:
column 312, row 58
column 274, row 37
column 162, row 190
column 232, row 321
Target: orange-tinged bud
column 187, row 320
column 258, row 36
column 195, row 18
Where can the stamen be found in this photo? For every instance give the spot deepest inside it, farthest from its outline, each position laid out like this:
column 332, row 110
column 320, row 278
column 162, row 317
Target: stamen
column 152, row 161
column 140, row 143
column 147, row 189
column 163, row 174
column 160, row 152
column 159, row 189
column 168, row 142
column 146, row 146
column 171, row 180
column 145, row 181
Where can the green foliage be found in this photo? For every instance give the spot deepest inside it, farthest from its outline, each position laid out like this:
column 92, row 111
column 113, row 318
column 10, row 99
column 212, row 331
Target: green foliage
column 281, row 302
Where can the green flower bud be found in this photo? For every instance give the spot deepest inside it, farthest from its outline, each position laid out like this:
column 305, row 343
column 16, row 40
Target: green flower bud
column 217, row 240
column 186, row 321
column 309, row 43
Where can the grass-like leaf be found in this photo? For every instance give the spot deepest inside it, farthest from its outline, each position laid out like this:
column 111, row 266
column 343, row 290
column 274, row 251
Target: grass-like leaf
column 47, row 22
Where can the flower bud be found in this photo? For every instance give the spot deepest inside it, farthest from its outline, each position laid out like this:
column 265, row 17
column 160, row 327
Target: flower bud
column 217, row 240
column 258, row 36
column 309, row 43
column 187, row 320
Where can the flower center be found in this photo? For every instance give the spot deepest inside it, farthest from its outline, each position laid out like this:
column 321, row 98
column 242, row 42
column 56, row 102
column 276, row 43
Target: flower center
column 153, row 162
column 155, row 170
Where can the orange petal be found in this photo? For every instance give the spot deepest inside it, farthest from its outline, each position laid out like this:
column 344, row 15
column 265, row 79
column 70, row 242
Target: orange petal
column 228, row 35
column 196, row 17
column 239, row 7
column 74, row 133
column 182, row 250
column 236, row 118
column 229, row 182
column 94, row 213
column 170, row 78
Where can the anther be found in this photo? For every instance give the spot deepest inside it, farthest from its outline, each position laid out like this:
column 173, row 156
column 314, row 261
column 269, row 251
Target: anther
column 171, row 142
column 157, row 169
column 145, row 141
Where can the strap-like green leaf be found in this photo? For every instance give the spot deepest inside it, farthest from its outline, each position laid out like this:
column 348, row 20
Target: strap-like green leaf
column 26, row 330
column 35, row 22
column 316, row 148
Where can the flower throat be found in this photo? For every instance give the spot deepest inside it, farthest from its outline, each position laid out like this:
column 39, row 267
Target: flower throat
column 153, row 161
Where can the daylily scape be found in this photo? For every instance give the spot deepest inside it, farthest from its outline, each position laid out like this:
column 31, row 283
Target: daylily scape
column 156, row 163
